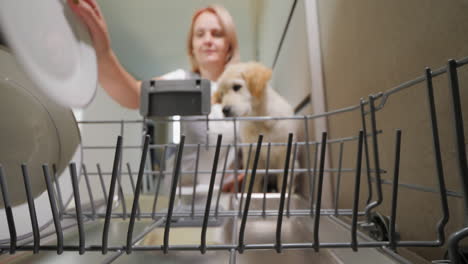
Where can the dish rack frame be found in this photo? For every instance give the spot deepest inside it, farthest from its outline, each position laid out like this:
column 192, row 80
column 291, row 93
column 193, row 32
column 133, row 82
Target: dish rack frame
column 315, row 174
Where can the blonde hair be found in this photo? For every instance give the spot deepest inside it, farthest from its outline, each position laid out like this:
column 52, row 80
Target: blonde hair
column 229, row 30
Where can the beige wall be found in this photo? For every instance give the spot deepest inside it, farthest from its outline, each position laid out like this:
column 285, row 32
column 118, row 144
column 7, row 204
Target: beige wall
column 370, row 46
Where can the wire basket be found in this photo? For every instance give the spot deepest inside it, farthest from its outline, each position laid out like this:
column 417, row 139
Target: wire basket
column 210, row 210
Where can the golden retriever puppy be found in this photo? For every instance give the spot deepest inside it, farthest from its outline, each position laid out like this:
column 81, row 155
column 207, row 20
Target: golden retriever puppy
column 244, row 91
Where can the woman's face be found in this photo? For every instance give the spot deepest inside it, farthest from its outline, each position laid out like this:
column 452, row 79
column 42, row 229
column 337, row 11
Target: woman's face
column 209, row 42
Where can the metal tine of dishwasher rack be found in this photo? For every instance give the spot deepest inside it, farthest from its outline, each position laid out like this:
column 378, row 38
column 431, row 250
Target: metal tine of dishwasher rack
column 32, row 208
column 439, row 167
column 132, row 184
column 461, row 156
column 137, row 191
column 265, row 181
column 249, row 192
column 115, row 167
column 210, row 196
column 318, row 203
column 221, row 183
column 454, row 85
column 357, row 185
column 396, row 174
column 79, row 215
column 438, row 158
column 53, row 207
column 59, row 192
column 8, row 211
column 247, row 165
column 288, row 204
column 180, row 187
column 459, row 131
column 376, row 159
column 195, row 179
column 438, row 161
column 120, row 193
column 338, row 178
column 101, row 180
column 179, row 181
column 313, row 179
column 366, row 151
column 279, row 222
column 158, row 184
column 236, row 158
column 307, row 151
column 90, row 193
column 170, row 207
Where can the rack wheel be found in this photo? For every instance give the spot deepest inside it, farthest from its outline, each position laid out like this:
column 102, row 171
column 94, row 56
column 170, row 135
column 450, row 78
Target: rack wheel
column 381, row 226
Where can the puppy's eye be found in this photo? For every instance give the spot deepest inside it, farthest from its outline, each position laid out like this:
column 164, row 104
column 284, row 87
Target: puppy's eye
column 236, row 87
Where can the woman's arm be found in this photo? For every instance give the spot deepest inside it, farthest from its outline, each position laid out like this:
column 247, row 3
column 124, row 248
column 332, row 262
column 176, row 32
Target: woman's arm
column 117, row 82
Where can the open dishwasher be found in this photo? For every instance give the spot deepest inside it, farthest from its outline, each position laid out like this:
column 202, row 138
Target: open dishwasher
column 170, row 223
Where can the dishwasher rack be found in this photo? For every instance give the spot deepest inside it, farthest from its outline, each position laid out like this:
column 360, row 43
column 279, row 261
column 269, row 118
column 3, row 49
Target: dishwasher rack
column 314, row 170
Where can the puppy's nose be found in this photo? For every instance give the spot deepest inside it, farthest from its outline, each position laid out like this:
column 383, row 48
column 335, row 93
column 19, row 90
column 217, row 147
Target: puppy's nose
column 227, row 111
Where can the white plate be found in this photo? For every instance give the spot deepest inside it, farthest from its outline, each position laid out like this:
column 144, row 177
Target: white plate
column 35, row 130
column 54, row 48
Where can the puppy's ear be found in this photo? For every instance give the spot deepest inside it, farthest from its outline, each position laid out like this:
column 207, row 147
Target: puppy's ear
column 257, row 77
column 216, row 98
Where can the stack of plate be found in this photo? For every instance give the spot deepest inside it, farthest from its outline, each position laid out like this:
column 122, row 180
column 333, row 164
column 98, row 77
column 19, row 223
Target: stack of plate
column 33, row 130
column 47, row 66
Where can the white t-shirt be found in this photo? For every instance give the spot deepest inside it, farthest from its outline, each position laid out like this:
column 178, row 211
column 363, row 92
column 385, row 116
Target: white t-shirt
column 195, row 133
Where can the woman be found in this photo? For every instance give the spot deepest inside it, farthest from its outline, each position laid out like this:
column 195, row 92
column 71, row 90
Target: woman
column 211, row 45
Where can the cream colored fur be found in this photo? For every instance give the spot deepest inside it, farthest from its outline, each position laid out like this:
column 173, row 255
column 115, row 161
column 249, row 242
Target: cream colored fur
column 244, row 89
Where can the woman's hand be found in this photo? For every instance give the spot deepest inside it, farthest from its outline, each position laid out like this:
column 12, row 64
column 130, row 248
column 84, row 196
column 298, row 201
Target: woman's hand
column 90, row 13
column 117, row 82
column 229, row 183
